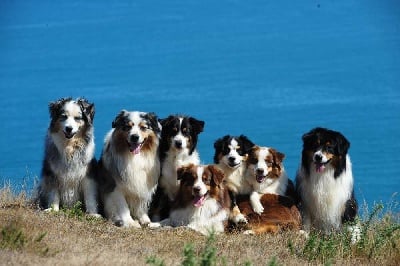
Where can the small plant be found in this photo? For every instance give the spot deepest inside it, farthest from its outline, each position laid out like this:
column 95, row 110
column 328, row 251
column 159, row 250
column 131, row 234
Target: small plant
column 153, row 260
column 75, row 211
column 207, row 256
column 189, row 257
column 380, row 236
column 13, row 237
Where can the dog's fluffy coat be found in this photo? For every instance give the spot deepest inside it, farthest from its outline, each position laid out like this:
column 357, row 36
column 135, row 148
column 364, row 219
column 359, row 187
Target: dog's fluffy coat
column 129, row 167
column 324, row 181
column 230, row 156
column 69, row 164
column 202, row 202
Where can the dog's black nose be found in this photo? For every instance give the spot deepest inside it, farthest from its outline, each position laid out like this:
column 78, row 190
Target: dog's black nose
column 134, row 138
column 231, row 159
column 68, row 129
column 178, row 143
column 260, row 171
column 318, row 158
column 196, row 190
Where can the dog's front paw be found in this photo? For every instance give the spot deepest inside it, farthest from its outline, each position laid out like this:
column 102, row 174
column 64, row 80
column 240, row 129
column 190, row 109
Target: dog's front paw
column 129, row 224
column 145, row 220
column 258, row 208
column 249, row 232
column 355, row 233
column 239, row 219
column 53, row 208
column 154, row 225
column 94, row 215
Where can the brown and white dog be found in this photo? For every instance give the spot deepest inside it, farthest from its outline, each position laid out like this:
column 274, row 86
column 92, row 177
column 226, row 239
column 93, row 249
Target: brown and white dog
column 230, row 156
column 129, row 168
column 69, row 163
column 271, row 206
column 324, row 182
column 266, row 175
column 202, row 202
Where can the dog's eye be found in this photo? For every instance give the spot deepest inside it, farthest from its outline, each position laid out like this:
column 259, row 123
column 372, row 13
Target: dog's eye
column 143, row 128
column 63, row 117
column 126, row 127
column 253, row 161
column 269, row 164
column 78, row 118
column 175, row 129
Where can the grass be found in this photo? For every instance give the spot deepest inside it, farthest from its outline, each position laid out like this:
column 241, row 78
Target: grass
column 69, row 237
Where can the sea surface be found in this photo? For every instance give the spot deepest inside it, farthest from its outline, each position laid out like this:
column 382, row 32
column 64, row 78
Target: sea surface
column 271, row 70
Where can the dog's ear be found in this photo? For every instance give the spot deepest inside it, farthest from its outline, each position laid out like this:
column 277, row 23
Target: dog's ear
column 197, row 125
column 277, row 156
column 247, row 144
column 153, row 121
column 56, row 107
column 219, row 146
column 342, row 144
column 119, row 119
column 217, row 174
column 183, row 171
column 165, row 121
column 87, row 109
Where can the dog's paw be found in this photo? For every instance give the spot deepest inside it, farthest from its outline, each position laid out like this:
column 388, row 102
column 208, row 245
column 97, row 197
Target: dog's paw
column 53, row 208
column 145, row 220
column 355, row 233
column 239, row 219
column 128, row 224
column 304, row 233
column 249, row 232
column 94, row 215
column 258, row 208
column 153, row 225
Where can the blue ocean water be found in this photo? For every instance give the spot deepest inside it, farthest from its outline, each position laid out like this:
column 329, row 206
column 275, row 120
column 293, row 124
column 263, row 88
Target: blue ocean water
column 271, row 70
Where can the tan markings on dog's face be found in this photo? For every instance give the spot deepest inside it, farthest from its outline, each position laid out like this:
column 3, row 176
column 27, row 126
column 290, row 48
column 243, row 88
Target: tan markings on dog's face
column 265, row 163
column 132, row 132
column 276, row 162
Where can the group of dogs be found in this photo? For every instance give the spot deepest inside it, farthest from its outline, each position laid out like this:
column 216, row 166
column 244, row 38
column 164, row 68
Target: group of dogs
column 150, row 174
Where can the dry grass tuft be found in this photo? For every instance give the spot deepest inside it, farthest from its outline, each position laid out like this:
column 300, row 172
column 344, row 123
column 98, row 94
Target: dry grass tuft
column 32, row 237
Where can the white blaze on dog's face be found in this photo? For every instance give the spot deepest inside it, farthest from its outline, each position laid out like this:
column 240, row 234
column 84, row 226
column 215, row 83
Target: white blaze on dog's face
column 324, row 148
column 66, row 118
column 232, row 158
column 265, row 164
column 71, row 119
column 179, row 141
column 199, row 190
column 232, row 151
column 180, row 133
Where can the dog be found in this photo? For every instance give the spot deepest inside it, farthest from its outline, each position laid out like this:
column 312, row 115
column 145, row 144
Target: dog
column 280, row 214
column 271, row 205
column 202, row 202
column 324, row 182
column 129, row 168
column 266, row 175
column 68, row 172
column 178, row 147
column 230, row 156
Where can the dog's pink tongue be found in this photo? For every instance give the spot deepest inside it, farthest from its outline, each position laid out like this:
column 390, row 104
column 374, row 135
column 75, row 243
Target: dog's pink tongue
column 135, row 150
column 198, row 201
column 319, row 168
